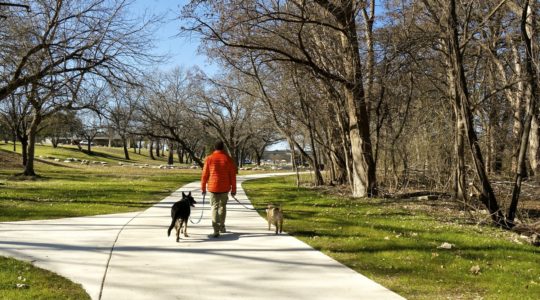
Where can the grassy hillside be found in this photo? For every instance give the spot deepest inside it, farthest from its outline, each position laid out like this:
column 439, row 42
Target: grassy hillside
column 75, row 189
column 105, row 154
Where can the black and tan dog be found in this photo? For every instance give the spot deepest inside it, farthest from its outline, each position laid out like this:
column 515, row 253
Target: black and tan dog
column 274, row 215
column 180, row 212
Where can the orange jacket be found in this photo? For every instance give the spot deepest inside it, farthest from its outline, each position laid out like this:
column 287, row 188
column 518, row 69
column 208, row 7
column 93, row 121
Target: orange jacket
column 219, row 173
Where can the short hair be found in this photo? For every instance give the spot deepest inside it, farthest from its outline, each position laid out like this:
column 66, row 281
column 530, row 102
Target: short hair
column 219, row 145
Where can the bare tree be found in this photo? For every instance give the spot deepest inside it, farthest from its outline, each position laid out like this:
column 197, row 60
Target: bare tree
column 61, row 126
column 91, row 126
column 15, row 113
column 120, row 112
column 289, row 32
column 59, row 49
column 166, row 114
column 66, row 38
column 226, row 112
column 528, row 28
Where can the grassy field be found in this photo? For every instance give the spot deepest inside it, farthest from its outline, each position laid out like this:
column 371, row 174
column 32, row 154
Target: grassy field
column 105, row 154
column 21, row 280
column 70, row 190
column 396, row 244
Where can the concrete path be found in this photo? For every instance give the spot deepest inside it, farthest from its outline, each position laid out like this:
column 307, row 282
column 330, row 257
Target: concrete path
column 129, row 256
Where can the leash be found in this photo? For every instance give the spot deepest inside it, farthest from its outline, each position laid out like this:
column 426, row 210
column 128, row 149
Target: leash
column 248, row 208
column 202, row 210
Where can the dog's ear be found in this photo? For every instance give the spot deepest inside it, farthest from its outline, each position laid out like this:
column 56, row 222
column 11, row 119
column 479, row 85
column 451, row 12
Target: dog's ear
column 183, row 195
column 189, row 194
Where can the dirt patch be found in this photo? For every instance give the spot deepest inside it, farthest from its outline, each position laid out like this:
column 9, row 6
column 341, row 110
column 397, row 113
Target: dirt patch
column 10, row 160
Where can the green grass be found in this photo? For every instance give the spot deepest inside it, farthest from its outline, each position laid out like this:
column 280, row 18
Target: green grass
column 39, row 283
column 395, row 243
column 83, row 191
column 106, row 154
column 70, row 190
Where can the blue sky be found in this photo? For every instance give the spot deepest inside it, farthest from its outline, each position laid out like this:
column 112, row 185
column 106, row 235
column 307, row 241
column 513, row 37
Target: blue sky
column 182, row 50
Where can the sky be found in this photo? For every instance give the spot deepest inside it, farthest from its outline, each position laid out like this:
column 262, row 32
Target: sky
column 182, row 50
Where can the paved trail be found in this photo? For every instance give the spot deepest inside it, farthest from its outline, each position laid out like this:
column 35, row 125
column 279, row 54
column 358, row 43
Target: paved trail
column 129, row 256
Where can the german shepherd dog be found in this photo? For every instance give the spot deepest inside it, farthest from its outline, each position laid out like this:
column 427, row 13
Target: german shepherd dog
column 274, row 215
column 180, row 212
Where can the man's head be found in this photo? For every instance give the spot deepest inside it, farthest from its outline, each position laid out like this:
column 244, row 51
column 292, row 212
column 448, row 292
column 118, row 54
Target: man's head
column 219, row 145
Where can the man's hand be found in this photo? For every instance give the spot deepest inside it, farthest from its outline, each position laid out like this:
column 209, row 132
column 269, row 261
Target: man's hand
column 204, row 193
column 233, row 194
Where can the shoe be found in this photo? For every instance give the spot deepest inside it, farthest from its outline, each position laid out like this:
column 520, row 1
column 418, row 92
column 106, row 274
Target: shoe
column 214, row 235
column 222, row 230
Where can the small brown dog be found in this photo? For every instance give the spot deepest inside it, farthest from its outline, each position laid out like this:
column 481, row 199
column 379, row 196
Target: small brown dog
column 274, row 215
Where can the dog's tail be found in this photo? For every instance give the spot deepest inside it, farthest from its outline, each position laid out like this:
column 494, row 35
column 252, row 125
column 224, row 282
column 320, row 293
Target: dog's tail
column 172, row 226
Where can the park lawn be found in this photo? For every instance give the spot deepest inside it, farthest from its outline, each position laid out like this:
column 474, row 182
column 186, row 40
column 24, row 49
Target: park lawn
column 35, row 283
column 71, row 190
column 105, row 154
column 396, row 244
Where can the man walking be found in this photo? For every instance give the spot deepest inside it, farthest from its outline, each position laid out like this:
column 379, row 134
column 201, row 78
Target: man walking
column 219, row 173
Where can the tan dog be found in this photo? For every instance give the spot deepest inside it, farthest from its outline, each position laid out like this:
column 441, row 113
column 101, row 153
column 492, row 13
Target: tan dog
column 274, row 215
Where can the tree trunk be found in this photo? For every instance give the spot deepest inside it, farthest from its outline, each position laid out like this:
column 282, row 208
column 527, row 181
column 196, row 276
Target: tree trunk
column 534, row 145
column 527, row 28
column 338, row 163
column 362, row 165
column 487, row 197
column 460, row 174
column 258, row 157
column 460, row 177
column 293, row 161
column 517, row 106
column 32, row 132
column 363, row 175
column 24, row 149
column 55, row 141
column 490, row 150
column 170, row 160
column 125, row 145
column 316, row 163
column 369, row 20
column 151, row 150
column 180, row 154
column 14, row 141
column 345, row 142
column 158, row 145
